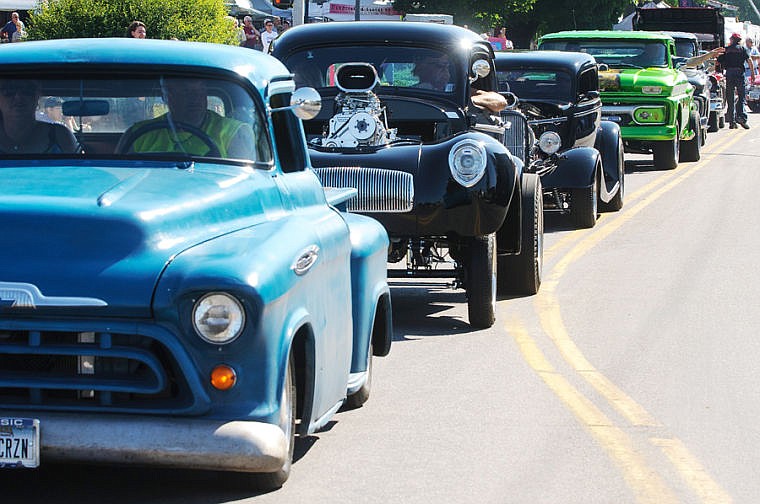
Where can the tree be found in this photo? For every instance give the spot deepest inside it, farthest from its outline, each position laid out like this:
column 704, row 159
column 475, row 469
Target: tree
column 549, row 16
column 481, row 15
column 195, row 20
column 524, row 19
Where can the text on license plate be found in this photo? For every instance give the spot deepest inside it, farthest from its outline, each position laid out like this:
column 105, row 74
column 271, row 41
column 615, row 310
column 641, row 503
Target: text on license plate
column 19, row 442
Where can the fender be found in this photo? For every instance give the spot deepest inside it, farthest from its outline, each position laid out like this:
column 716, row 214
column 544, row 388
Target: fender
column 575, row 169
column 609, row 144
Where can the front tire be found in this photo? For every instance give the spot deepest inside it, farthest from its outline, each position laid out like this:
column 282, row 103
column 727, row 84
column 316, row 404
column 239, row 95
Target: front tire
column 480, row 281
column 521, row 273
column 666, row 154
column 584, row 203
column 274, row 480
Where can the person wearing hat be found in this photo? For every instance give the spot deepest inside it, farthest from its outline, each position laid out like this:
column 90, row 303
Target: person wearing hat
column 732, row 61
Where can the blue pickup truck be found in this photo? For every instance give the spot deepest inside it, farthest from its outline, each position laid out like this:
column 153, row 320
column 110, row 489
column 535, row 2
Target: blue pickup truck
column 177, row 288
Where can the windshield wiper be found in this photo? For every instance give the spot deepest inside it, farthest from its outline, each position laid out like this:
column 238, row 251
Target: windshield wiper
column 623, row 65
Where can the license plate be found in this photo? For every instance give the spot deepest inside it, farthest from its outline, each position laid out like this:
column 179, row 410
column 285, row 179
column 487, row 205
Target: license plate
column 754, row 95
column 19, row 442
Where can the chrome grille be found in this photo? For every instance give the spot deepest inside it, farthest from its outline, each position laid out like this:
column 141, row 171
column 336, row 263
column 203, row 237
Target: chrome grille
column 89, row 370
column 379, row 190
column 516, row 133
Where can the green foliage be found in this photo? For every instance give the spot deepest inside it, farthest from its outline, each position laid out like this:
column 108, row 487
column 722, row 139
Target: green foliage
column 745, row 11
column 481, row 15
column 195, row 20
column 524, row 19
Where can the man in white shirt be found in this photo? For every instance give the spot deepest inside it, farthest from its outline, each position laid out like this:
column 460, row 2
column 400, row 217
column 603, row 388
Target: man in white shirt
column 268, row 35
column 753, row 53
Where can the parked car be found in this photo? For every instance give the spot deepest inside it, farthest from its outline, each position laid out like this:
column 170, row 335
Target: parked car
column 718, row 103
column 427, row 163
column 707, row 26
column 688, row 46
column 753, row 94
column 180, row 290
column 642, row 90
column 578, row 156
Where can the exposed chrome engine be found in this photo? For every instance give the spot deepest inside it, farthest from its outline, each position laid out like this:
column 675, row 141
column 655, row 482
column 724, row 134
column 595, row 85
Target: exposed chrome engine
column 360, row 119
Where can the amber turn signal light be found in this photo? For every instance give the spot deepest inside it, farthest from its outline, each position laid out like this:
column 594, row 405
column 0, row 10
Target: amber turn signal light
column 223, row 377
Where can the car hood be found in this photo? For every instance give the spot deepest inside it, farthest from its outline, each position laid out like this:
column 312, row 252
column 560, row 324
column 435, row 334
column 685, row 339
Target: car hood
column 98, row 237
column 614, row 81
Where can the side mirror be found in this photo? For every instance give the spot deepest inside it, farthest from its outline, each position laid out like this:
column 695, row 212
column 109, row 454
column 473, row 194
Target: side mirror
column 679, row 62
column 512, row 99
column 480, row 68
column 603, row 67
column 590, row 95
column 305, row 103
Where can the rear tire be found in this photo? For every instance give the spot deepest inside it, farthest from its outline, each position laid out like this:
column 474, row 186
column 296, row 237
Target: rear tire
column 690, row 149
column 480, row 281
column 616, row 203
column 521, row 273
column 359, row 397
column 712, row 122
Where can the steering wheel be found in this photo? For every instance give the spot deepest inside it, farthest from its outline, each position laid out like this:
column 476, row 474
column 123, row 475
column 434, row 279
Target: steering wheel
column 126, row 143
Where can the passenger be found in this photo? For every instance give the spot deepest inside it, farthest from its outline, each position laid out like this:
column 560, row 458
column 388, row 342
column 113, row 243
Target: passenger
column 187, row 101
column 21, row 132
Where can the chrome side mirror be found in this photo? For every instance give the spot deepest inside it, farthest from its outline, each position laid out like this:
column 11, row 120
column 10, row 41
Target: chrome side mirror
column 480, row 68
column 512, row 100
column 305, row 103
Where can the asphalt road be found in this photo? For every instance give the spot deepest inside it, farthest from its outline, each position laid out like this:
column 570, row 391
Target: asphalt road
column 630, row 378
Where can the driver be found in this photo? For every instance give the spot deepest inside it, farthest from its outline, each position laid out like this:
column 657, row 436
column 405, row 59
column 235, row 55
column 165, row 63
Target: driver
column 432, row 72
column 189, row 126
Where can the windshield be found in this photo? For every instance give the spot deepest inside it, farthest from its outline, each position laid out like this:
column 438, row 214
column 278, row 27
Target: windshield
column 405, row 67
column 686, row 48
column 161, row 116
column 615, row 53
column 536, row 83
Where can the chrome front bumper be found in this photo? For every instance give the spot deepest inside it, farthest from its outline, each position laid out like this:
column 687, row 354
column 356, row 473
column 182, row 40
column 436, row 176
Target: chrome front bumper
column 216, row 445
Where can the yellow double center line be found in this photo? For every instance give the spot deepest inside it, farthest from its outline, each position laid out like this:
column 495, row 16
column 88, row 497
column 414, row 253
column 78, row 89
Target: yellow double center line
column 647, row 485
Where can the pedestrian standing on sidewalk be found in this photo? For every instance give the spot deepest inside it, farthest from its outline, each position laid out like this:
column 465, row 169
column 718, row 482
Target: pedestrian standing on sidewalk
column 14, row 29
column 732, row 61
column 137, row 30
column 268, row 35
column 252, row 36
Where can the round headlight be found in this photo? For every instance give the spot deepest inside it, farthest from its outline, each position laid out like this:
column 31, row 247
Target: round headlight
column 549, row 142
column 218, row 318
column 467, row 162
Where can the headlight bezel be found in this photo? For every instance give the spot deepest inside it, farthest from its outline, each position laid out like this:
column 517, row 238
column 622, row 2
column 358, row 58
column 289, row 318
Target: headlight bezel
column 549, row 142
column 233, row 309
column 468, row 176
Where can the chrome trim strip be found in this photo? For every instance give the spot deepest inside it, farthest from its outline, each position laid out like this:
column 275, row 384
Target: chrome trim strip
column 553, row 120
column 26, row 295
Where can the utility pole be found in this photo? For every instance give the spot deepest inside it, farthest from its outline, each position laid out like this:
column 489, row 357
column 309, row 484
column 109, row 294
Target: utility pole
column 299, row 14
column 357, row 10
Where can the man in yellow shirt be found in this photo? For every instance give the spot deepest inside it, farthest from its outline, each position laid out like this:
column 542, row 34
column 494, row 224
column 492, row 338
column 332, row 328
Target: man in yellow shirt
column 190, row 127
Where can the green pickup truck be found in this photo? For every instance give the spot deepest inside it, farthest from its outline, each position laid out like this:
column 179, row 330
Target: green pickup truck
column 642, row 90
